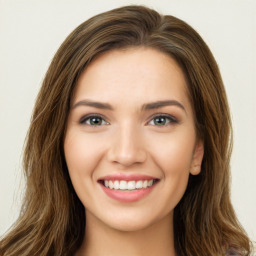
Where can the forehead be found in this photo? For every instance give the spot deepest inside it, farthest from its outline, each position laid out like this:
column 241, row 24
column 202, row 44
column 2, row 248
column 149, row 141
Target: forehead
column 132, row 75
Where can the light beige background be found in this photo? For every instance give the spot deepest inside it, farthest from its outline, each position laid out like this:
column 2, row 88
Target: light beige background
column 32, row 30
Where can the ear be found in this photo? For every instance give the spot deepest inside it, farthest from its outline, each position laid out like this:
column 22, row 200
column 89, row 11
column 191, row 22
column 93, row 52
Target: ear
column 198, row 155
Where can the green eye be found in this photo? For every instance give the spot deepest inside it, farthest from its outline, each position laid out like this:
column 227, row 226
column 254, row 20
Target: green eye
column 96, row 120
column 93, row 121
column 162, row 120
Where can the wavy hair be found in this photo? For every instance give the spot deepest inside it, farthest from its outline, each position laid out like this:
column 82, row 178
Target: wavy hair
column 52, row 218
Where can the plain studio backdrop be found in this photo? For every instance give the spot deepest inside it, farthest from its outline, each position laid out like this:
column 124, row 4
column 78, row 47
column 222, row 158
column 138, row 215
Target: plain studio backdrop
column 32, row 30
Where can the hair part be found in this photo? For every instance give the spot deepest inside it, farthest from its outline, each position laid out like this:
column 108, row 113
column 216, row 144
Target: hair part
column 52, row 219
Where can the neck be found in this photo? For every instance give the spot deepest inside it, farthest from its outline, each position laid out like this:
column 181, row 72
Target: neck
column 100, row 240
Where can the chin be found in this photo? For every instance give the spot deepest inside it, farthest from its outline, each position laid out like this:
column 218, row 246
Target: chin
column 131, row 227
column 135, row 222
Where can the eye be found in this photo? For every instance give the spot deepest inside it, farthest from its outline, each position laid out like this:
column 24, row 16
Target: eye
column 93, row 120
column 163, row 120
column 98, row 120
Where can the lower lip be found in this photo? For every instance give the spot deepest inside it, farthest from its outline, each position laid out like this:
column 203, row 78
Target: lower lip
column 127, row 196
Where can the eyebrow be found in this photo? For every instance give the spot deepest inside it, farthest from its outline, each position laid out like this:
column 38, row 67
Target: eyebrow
column 146, row 106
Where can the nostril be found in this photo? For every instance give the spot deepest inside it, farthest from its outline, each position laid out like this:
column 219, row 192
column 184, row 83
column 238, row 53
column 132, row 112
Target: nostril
column 127, row 155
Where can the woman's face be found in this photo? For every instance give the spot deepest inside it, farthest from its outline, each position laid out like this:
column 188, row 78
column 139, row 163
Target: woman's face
column 131, row 142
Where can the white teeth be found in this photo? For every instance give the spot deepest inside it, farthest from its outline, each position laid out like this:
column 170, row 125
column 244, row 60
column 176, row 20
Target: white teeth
column 116, row 184
column 123, row 185
column 145, row 183
column 111, row 184
column 128, row 185
column 131, row 185
column 139, row 184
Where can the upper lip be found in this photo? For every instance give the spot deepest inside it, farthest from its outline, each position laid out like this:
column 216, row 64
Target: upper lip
column 127, row 177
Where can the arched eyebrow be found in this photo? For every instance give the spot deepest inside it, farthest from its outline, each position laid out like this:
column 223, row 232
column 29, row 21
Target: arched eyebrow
column 161, row 103
column 94, row 104
column 144, row 107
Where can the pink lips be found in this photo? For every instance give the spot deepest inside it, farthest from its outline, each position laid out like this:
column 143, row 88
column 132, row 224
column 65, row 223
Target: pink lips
column 127, row 196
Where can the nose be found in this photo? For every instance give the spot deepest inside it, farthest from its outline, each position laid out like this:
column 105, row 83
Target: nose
column 127, row 148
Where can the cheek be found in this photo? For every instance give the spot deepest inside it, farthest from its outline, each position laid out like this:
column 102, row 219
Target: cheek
column 173, row 155
column 175, row 164
column 81, row 153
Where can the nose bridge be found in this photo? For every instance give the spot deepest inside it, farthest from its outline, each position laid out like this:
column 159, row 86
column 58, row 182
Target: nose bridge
column 127, row 146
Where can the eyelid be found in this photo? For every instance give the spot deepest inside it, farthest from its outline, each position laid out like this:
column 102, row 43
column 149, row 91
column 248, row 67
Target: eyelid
column 86, row 117
column 172, row 119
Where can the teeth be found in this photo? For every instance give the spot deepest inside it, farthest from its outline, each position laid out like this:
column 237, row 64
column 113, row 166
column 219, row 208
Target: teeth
column 116, row 184
column 123, row 184
column 128, row 185
column 111, row 184
column 150, row 183
column 138, row 184
column 131, row 185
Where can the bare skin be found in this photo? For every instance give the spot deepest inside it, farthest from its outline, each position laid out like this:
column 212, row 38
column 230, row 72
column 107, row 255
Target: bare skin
column 127, row 134
column 152, row 241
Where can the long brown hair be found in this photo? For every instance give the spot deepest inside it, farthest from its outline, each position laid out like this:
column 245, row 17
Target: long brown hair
column 52, row 218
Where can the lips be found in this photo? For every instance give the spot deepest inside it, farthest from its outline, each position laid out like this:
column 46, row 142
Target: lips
column 127, row 188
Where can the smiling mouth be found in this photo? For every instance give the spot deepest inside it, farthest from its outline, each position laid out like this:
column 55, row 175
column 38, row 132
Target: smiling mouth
column 128, row 188
column 131, row 185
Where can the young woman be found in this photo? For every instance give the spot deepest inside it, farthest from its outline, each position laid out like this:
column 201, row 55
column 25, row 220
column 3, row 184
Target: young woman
column 129, row 146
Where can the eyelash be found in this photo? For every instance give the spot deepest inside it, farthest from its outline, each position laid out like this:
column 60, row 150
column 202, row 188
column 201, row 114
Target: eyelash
column 160, row 115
